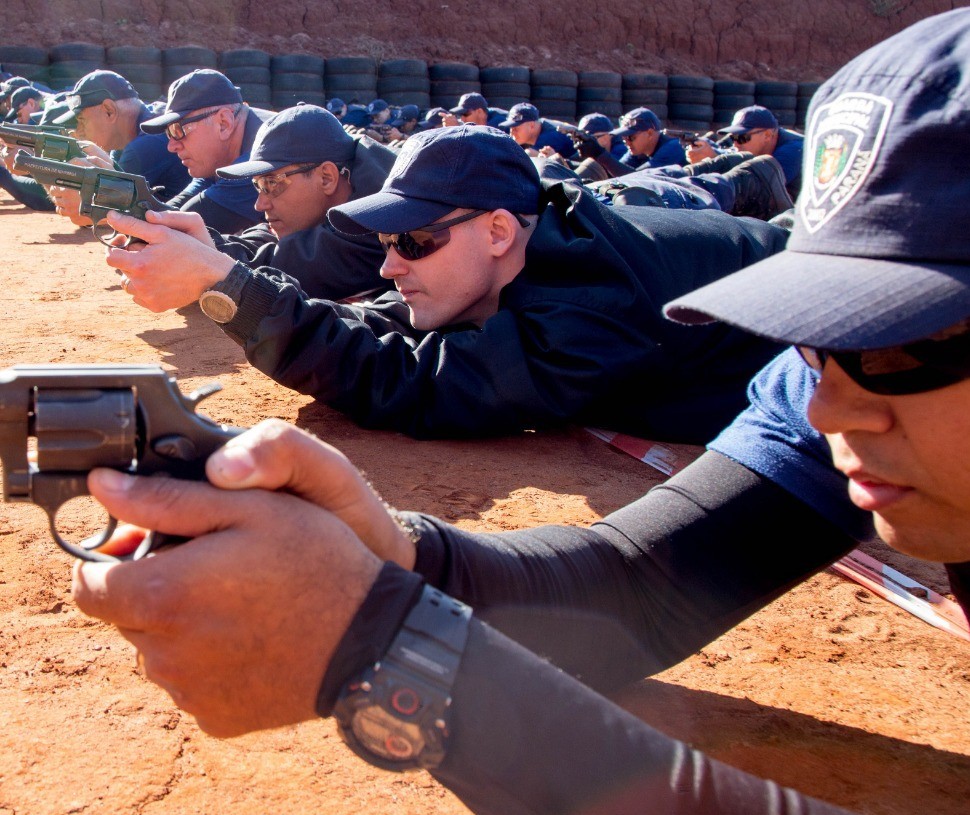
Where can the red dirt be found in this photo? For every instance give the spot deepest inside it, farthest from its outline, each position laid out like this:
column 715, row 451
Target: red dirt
column 829, row 689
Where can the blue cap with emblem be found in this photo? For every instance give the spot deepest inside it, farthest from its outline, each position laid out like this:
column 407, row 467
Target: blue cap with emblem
column 637, row 120
column 876, row 257
column 751, row 118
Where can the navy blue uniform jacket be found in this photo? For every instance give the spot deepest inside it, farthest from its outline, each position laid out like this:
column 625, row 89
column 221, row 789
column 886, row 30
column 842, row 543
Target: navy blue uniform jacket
column 578, row 337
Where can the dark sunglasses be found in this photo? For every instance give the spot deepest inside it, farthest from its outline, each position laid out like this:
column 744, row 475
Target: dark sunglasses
column 744, row 138
column 934, row 362
column 176, row 131
column 419, row 243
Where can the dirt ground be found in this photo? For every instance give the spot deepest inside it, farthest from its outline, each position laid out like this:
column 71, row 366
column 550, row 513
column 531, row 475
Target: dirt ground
column 830, row 689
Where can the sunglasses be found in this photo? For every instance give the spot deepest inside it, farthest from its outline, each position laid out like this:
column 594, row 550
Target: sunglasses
column 934, row 362
column 273, row 185
column 419, row 243
column 744, row 138
column 178, row 131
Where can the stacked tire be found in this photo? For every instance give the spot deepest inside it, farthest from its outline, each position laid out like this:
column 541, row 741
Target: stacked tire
column 599, row 92
column 730, row 96
column 781, row 98
column 806, row 90
column 25, row 61
column 449, row 80
column 70, row 61
column 505, row 86
column 177, row 62
column 141, row 66
column 554, row 93
column 690, row 102
column 249, row 70
column 404, row 82
column 645, row 91
column 296, row 78
column 353, row 79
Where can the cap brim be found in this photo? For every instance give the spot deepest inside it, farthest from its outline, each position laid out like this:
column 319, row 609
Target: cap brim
column 833, row 301
column 159, row 123
column 623, row 131
column 68, row 118
column 460, row 111
column 386, row 212
column 735, row 129
column 250, row 169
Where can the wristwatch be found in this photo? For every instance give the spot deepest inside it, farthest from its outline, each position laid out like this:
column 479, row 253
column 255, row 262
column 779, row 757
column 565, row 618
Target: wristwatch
column 396, row 713
column 221, row 302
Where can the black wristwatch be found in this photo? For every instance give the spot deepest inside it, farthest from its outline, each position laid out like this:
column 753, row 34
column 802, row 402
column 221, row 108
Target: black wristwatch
column 396, row 713
column 221, row 302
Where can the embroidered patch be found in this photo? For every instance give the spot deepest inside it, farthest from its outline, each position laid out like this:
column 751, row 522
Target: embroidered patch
column 844, row 139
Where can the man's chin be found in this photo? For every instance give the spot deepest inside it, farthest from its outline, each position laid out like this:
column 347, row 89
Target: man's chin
column 924, row 542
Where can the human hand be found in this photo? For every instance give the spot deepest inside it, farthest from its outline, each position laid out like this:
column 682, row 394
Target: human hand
column 67, row 202
column 239, row 625
column 275, row 455
column 586, row 145
column 177, row 264
column 700, row 150
column 449, row 120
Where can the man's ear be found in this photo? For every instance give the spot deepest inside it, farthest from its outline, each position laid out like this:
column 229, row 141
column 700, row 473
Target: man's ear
column 110, row 108
column 329, row 176
column 503, row 231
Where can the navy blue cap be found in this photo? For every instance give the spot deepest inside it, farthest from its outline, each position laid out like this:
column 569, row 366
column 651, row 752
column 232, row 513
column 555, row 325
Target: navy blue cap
column 636, row 121
column 469, row 102
column 406, row 114
column 521, row 113
column 93, row 88
column 10, row 85
column 23, row 94
column 751, row 118
column 203, row 88
column 877, row 256
column 441, row 170
column 302, row 134
column 377, row 106
column 595, row 123
column 336, row 104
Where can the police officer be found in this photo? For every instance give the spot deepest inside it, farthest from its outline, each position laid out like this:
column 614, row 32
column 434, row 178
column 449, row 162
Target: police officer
column 533, row 132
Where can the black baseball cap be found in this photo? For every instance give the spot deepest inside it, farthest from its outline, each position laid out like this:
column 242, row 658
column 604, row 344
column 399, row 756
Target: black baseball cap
column 753, row 117
column 521, row 113
column 441, row 170
column 877, row 256
column 303, row 134
column 637, row 120
column 203, row 88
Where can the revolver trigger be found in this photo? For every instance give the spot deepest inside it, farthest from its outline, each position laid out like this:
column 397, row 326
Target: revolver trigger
column 202, row 393
column 177, row 447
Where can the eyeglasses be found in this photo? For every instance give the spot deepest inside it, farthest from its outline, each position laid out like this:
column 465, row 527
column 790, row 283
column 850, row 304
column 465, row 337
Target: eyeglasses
column 419, row 243
column 925, row 365
column 178, row 130
column 273, row 185
column 744, row 138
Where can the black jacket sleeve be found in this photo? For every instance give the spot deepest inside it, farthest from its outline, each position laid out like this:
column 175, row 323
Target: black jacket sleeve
column 579, row 336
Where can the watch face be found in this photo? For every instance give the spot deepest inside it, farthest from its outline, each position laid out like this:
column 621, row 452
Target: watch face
column 217, row 306
column 386, row 736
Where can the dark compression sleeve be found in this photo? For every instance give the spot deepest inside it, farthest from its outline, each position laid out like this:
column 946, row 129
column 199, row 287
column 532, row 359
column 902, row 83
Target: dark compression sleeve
column 648, row 585
column 528, row 739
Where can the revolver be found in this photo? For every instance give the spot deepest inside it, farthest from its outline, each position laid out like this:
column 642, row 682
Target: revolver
column 101, row 190
column 133, row 418
column 45, row 144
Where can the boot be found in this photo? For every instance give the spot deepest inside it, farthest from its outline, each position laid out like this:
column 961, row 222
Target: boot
column 718, row 164
column 759, row 188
